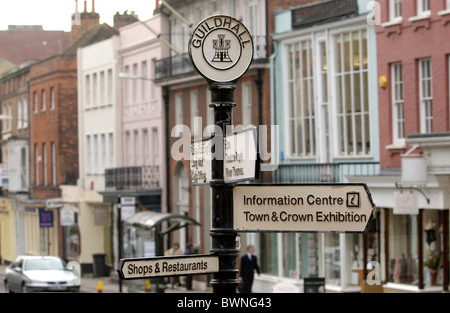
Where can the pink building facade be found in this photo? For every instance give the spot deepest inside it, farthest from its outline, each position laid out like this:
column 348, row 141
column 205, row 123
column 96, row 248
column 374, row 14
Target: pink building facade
column 412, row 191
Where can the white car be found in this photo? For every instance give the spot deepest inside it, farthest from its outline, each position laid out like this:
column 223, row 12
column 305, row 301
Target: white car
column 40, row 274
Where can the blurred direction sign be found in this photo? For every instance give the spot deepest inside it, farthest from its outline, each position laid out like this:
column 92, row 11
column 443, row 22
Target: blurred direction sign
column 138, row 268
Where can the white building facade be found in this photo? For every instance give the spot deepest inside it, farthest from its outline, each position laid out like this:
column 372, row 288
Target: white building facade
column 98, row 143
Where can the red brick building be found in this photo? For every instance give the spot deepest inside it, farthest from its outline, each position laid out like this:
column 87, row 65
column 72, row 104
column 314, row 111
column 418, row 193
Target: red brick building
column 413, row 92
column 53, row 139
column 413, row 49
column 21, row 43
column 53, row 135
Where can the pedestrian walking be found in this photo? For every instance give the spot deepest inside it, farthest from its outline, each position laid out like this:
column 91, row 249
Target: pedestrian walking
column 175, row 250
column 249, row 264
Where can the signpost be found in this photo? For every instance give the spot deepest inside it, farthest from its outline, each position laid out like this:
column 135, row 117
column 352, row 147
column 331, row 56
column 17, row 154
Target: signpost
column 201, row 156
column 221, row 50
column 139, row 268
column 297, row 208
column 240, row 156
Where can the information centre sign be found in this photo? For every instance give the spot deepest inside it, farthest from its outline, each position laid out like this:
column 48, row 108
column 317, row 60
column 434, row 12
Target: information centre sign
column 309, row 208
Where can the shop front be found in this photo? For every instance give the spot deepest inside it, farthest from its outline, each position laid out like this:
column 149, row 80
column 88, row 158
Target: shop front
column 415, row 249
column 295, row 257
column 414, row 208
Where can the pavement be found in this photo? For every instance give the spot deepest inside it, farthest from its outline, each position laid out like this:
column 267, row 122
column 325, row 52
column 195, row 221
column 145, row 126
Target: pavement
column 111, row 284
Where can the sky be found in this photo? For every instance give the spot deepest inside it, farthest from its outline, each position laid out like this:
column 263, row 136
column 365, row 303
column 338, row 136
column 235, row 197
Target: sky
column 56, row 14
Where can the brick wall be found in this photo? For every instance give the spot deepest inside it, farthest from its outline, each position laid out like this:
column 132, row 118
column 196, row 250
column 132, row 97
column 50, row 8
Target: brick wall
column 407, row 43
column 58, row 125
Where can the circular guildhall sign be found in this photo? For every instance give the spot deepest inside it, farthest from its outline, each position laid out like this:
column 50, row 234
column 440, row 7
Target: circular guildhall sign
column 221, row 48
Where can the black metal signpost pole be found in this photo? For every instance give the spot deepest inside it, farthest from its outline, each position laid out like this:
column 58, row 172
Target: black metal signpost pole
column 221, row 50
column 222, row 232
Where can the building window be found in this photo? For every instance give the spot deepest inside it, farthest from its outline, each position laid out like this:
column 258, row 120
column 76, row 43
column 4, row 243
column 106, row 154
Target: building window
column 43, row 99
column 252, row 24
column 88, row 153
column 447, row 4
column 146, row 147
column 144, row 81
column 88, row 90
column 35, row 100
column 52, row 98
column 94, row 89
column 178, row 129
column 19, row 115
column 395, row 10
column 95, row 153
column 135, row 83
column 155, row 142
column 44, row 157
column 136, row 148
column 426, row 96
column 111, row 149
column 36, row 163
column 246, row 104
column 196, row 124
column 102, row 87
column 397, row 103
column 103, row 152
column 109, row 90
column 128, row 160
column 53, row 164
column 152, row 84
column 423, row 7
column 25, row 113
column 403, row 254
column 209, row 115
column 301, row 100
column 352, row 99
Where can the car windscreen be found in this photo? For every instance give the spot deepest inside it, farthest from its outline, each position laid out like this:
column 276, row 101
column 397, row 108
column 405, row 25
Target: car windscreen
column 43, row 264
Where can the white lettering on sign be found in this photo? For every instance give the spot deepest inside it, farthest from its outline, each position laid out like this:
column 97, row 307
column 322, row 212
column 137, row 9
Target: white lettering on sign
column 327, row 208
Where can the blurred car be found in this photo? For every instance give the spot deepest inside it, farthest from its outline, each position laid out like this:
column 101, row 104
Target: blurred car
column 40, row 274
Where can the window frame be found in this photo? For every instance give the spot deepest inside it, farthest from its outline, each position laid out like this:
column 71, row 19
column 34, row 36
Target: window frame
column 395, row 5
column 291, row 113
column 397, row 100
column 423, row 7
column 365, row 131
column 425, row 97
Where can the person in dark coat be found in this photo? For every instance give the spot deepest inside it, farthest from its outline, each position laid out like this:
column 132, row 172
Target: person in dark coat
column 249, row 264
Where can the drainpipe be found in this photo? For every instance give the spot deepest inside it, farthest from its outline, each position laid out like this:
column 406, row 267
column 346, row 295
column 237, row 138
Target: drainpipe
column 273, row 144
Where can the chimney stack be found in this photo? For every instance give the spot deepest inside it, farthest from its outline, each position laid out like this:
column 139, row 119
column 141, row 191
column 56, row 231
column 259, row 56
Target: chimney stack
column 85, row 22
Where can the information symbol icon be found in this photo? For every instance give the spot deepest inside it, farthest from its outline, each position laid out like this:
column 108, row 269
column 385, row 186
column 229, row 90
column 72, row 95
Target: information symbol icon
column 353, row 200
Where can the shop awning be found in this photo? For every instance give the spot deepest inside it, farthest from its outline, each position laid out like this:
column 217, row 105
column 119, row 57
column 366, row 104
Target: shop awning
column 151, row 219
